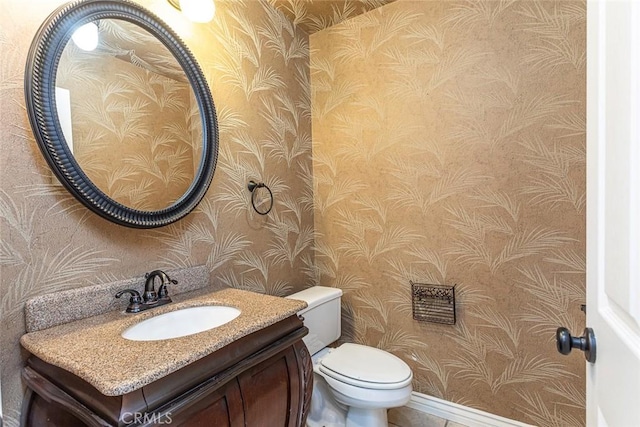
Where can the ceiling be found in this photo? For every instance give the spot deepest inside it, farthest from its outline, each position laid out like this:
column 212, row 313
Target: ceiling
column 316, row 15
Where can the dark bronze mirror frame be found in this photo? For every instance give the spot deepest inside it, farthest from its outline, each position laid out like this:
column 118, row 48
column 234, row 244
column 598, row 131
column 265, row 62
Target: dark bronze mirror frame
column 40, row 74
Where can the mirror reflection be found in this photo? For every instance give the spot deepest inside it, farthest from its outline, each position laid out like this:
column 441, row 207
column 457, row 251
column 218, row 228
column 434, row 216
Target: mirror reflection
column 129, row 116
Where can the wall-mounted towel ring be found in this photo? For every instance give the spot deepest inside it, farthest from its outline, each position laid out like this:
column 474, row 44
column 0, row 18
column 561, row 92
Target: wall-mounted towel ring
column 253, row 187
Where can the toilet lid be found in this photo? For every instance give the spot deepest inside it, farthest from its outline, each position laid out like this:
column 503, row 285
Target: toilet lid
column 366, row 366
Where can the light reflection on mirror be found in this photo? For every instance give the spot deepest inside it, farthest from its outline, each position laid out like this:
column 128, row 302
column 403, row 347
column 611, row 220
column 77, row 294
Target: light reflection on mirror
column 63, row 105
column 135, row 127
column 86, row 37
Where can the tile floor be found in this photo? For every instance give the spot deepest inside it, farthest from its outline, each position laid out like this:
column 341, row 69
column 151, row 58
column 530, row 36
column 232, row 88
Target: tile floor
column 407, row 417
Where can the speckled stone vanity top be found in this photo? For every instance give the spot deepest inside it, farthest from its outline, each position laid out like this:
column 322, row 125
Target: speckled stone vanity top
column 94, row 350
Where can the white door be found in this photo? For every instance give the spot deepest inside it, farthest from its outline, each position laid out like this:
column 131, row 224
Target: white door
column 613, row 211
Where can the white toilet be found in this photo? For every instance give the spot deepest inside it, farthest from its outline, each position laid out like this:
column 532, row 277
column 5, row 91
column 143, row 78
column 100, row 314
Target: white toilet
column 354, row 385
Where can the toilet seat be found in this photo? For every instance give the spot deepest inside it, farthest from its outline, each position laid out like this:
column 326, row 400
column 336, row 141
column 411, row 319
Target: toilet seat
column 366, row 367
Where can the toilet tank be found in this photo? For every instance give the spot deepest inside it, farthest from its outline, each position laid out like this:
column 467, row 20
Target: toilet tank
column 322, row 316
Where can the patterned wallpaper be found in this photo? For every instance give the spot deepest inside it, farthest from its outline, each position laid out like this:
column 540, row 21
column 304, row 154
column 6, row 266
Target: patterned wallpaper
column 449, row 148
column 316, row 15
column 257, row 65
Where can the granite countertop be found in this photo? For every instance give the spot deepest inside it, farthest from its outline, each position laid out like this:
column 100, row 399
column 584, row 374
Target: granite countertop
column 94, row 350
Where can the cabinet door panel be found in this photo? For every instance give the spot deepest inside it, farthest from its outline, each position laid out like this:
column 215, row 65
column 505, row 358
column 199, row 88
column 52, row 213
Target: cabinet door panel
column 270, row 391
column 222, row 408
column 42, row 412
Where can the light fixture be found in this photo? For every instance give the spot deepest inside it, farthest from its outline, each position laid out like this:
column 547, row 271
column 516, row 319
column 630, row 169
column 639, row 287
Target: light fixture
column 86, row 37
column 196, row 10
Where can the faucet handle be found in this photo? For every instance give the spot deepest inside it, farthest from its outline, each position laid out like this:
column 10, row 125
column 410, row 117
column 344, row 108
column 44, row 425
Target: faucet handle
column 163, row 293
column 135, row 302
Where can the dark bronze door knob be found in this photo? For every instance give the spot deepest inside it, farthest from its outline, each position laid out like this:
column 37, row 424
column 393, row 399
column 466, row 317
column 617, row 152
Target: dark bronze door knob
column 587, row 343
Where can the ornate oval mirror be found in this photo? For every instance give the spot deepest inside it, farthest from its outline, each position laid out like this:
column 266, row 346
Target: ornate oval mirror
column 123, row 115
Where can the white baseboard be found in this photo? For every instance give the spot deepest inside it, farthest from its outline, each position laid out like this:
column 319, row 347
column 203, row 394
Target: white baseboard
column 455, row 412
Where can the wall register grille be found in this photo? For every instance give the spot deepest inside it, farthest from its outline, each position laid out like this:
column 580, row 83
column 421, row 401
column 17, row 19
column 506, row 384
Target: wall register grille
column 433, row 303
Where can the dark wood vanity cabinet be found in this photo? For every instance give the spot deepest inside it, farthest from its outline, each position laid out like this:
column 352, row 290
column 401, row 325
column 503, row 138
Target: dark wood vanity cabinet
column 264, row 379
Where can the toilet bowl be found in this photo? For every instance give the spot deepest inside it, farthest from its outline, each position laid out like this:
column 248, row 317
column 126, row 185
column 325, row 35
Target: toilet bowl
column 354, row 385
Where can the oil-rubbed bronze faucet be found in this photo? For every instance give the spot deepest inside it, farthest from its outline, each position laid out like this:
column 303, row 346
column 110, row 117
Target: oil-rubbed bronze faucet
column 150, row 298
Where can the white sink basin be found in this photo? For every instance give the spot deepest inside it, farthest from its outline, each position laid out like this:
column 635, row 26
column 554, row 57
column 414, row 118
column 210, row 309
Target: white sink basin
column 180, row 323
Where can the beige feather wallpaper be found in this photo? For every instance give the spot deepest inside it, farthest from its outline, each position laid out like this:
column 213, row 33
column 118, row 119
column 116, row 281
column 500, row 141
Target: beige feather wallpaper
column 448, row 147
column 257, row 65
column 316, row 15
